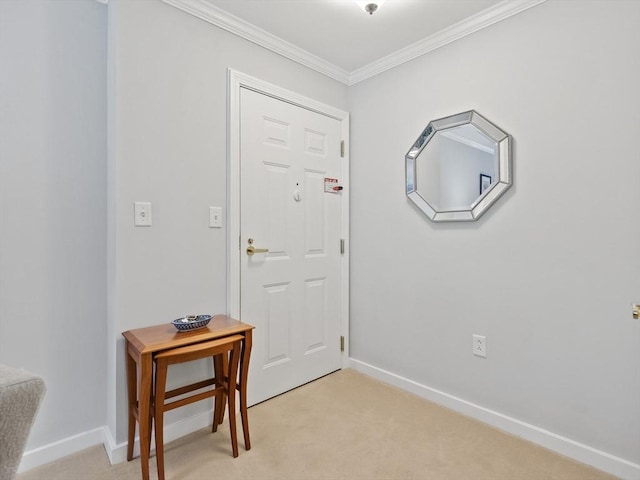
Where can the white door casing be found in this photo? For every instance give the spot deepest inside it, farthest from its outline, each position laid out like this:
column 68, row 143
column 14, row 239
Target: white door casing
column 296, row 294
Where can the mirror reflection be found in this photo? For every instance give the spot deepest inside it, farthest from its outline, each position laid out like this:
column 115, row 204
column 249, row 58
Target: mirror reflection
column 458, row 167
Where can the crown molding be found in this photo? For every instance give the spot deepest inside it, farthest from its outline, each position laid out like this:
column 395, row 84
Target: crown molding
column 248, row 31
column 218, row 17
column 485, row 18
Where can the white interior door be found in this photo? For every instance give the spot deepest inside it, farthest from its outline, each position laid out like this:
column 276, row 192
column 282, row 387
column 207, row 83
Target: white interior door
column 292, row 293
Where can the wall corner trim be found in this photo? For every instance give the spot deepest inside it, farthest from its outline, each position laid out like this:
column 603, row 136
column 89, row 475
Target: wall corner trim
column 606, row 462
column 62, row 448
column 483, row 19
column 248, row 31
column 116, row 452
column 218, row 17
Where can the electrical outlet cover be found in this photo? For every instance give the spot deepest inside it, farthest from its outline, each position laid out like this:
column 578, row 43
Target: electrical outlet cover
column 480, row 346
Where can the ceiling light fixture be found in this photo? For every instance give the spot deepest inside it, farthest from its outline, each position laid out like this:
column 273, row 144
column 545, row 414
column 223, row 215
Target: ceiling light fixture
column 369, row 6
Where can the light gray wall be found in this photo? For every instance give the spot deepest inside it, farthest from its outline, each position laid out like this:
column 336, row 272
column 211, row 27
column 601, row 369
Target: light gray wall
column 548, row 274
column 53, row 207
column 168, row 145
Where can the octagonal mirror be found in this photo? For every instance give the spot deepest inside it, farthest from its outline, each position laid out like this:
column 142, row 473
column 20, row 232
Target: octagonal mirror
column 458, row 167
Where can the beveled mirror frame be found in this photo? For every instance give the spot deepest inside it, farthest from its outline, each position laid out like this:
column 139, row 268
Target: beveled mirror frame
column 488, row 197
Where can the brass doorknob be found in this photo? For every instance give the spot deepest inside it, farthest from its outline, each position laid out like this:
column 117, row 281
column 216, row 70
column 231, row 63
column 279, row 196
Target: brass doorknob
column 636, row 310
column 252, row 250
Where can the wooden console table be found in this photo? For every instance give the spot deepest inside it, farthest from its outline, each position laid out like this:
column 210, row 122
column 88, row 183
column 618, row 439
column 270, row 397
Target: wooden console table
column 143, row 343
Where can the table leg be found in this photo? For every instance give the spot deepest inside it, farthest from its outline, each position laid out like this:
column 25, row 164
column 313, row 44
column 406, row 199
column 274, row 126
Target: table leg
column 219, row 370
column 244, row 375
column 144, row 411
column 132, row 398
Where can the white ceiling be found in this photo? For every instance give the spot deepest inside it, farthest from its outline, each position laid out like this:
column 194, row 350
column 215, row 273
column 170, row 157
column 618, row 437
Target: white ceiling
column 343, row 34
column 339, row 39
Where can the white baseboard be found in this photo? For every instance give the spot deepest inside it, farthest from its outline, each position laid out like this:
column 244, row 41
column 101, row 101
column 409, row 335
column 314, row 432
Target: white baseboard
column 56, row 450
column 117, row 453
column 582, row 453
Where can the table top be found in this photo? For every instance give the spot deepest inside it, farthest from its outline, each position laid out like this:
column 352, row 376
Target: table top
column 161, row 337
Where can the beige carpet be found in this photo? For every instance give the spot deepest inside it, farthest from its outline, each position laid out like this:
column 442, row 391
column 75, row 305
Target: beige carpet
column 343, row 426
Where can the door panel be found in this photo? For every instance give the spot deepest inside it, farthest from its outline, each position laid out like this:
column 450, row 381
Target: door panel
column 292, row 293
column 314, row 214
column 315, row 298
column 277, row 323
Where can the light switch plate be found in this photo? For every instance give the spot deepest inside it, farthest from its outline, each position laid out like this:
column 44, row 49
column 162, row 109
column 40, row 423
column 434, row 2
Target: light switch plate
column 215, row 217
column 142, row 214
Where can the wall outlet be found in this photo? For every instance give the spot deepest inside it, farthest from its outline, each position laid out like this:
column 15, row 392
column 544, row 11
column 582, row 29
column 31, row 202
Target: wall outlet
column 480, row 346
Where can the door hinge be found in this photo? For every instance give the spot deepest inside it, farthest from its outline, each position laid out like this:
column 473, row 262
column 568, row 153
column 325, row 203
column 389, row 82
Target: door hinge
column 342, row 344
column 342, row 246
column 342, row 148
